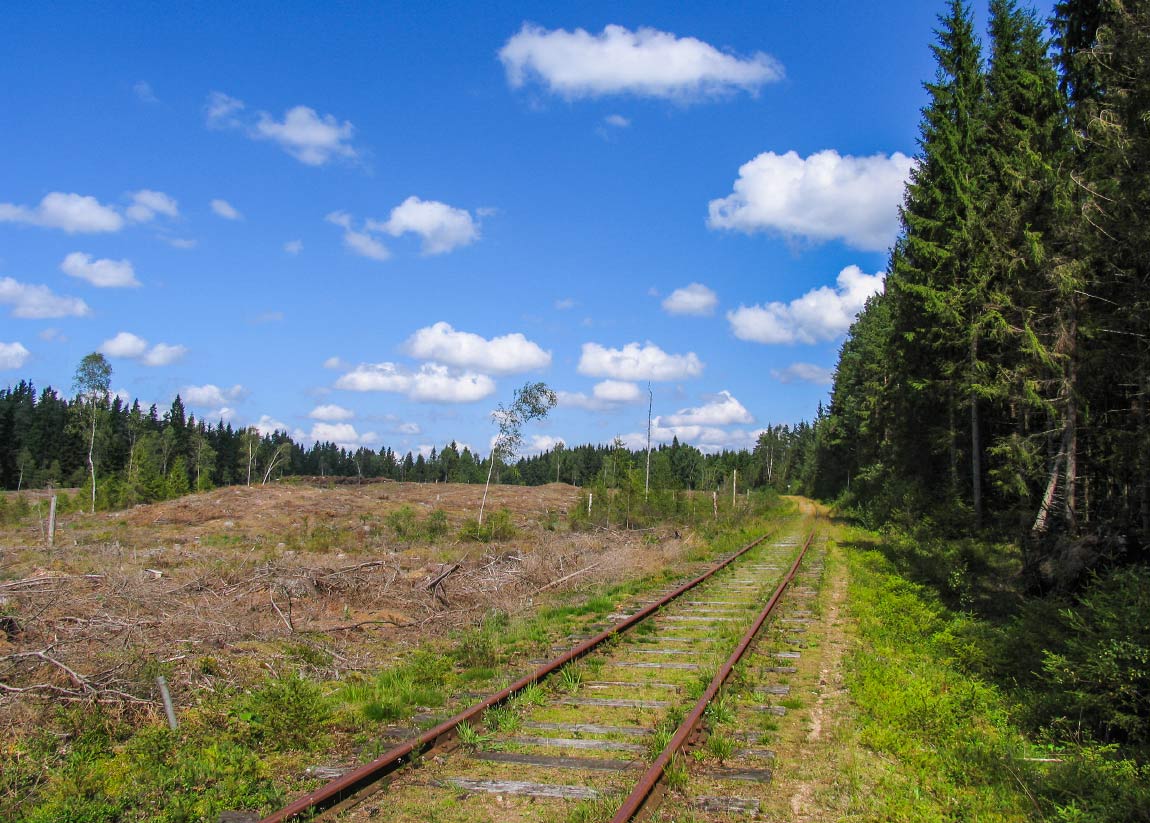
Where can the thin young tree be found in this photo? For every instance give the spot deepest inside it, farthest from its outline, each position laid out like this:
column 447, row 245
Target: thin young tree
column 532, row 402
column 91, row 382
column 559, row 447
column 650, row 408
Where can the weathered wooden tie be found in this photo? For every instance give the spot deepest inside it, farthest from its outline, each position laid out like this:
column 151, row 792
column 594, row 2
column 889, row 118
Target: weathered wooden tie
column 727, row 805
column 590, row 764
column 521, row 787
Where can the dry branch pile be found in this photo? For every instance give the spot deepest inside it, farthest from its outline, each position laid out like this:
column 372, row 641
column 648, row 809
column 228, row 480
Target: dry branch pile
column 223, row 588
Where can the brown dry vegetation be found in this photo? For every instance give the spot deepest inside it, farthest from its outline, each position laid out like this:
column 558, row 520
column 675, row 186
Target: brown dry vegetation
column 224, row 588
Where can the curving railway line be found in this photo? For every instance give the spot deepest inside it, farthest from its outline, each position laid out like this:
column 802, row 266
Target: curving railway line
column 692, row 680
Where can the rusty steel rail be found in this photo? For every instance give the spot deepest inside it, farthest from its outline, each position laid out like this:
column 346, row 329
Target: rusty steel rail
column 356, row 781
column 648, row 784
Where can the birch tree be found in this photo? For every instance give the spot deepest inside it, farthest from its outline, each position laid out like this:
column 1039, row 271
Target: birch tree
column 532, row 402
column 91, row 382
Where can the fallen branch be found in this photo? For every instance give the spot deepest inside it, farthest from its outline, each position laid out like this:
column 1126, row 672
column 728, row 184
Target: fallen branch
column 365, row 623
column 285, row 618
column 60, row 693
column 32, row 581
column 355, row 568
column 77, row 680
column 441, row 577
column 568, row 577
column 85, row 688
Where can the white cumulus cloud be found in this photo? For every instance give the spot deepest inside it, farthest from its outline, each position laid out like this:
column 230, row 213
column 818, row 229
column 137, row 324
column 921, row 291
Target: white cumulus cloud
column 38, row 302
column 102, row 273
column 224, row 413
column 822, row 197
column 125, row 344
column 821, row 314
column 359, row 242
column 442, row 227
column 804, row 373
column 269, row 425
column 163, row 354
column 694, row 299
column 605, row 395
column 637, row 362
column 616, row 391
column 13, row 355
column 343, row 435
column 309, row 137
column 539, row 443
column 226, row 210
column 293, row 247
column 330, row 412
column 509, row 354
column 210, row 394
column 705, row 438
column 433, row 383
column 306, row 135
column 133, row 347
column 721, row 410
column 646, row 63
column 73, row 213
column 146, row 204
column 222, row 110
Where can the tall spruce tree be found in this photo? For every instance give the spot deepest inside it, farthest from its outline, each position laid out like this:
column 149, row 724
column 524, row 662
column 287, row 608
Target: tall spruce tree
column 1104, row 54
column 1027, row 294
column 931, row 282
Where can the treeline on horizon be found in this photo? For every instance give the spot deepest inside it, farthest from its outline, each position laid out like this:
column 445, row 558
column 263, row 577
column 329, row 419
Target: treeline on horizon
column 143, row 456
column 999, row 385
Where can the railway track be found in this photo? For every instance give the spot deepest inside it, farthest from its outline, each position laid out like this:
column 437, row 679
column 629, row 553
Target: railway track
column 613, row 721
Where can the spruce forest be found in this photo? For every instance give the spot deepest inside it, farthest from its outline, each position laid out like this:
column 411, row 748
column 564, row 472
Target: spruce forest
column 1000, row 384
column 989, row 416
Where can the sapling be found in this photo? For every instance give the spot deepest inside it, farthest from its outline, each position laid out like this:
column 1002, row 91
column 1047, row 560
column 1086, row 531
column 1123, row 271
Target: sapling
column 532, row 402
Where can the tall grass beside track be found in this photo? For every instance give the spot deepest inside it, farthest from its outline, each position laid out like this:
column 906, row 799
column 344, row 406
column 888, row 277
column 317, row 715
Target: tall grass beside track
column 937, row 740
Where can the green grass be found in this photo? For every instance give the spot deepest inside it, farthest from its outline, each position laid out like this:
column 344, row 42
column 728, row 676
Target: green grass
column 947, row 743
column 719, row 746
column 675, row 774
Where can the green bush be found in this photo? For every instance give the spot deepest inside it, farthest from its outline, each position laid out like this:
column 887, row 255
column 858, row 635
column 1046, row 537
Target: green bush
column 402, row 521
column 498, row 526
column 436, row 524
column 284, row 714
column 1093, row 784
column 157, row 775
column 1102, row 672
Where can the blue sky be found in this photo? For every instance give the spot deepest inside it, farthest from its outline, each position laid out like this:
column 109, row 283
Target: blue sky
column 370, row 222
